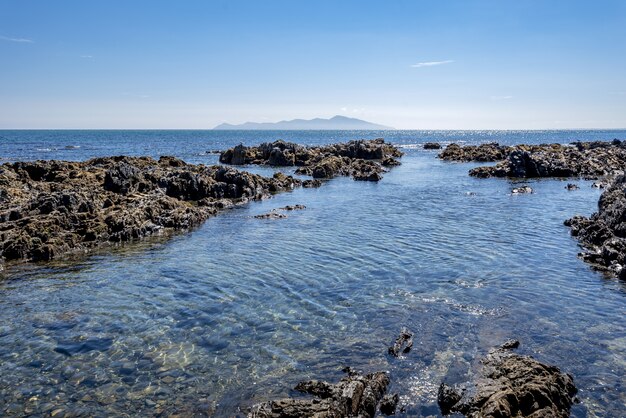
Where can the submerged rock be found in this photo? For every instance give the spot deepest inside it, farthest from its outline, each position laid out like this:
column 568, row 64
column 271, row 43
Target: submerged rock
column 362, row 159
column 355, row 395
column 522, row 190
column 271, row 215
column 51, row 208
column 511, row 385
column 603, row 235
column 403, row 343
column 572, row 186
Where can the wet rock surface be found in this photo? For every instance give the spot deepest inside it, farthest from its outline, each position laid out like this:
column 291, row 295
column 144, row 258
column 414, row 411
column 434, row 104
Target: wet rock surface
column 603, row 235
column 522, row 190
column 355, row 395
column 52, row 208
column 432, row 145
column 511, row 385
column 362, row 159
column 582, row 159
column 403, row 343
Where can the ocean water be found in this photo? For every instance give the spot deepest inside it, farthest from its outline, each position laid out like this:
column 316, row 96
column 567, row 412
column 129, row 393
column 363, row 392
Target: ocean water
column 239, row 310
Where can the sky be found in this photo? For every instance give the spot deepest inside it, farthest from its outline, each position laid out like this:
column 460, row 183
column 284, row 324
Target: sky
column 464, row 64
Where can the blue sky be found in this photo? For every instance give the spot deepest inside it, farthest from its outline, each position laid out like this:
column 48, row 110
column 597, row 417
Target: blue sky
column 463, row 64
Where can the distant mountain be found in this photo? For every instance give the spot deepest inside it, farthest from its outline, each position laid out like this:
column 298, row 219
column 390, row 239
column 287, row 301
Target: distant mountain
column 334, row 123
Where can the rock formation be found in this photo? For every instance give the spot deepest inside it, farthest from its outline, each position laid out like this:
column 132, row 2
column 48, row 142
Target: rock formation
column 355, row 395
column 603, row 235
column 511, row 385
column 51, row 208
column 362, row 159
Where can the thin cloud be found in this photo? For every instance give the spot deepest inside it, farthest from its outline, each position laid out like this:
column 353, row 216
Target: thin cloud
column 501, row 97
column 87, row 57
column 22, row 40
column 431, row 63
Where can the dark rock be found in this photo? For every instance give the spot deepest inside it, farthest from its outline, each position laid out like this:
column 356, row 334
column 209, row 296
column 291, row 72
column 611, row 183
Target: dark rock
column 484, row 152
column 581, row 159
column 510, row 344
column 447, row 398
column 432, row 145
column 271, row 215
column 511, row 385
column 293, row 207
column 51, row 208
column 603, row 235
column 389, row 403
column 572, row 186
column 403, row 343
column 354, row 396
column 362, row 159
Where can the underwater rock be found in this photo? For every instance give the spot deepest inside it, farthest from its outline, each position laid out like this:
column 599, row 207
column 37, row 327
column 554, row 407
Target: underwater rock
column 572, row 186
column 271, row 215
column 355, row 395
column 511, row 385
column 522, row 190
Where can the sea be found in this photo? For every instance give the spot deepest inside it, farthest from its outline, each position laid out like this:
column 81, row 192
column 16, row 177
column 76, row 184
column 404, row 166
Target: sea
column 239, row 310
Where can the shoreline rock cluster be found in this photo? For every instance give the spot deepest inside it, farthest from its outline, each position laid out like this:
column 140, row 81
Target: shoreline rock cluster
column 580, row 159
column 511, row 385
column 52, row 208
column 355, row 395
column 362, row 159
column 603, row 234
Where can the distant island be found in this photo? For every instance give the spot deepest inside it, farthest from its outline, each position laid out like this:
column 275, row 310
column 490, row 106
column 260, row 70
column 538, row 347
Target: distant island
column 332, row 124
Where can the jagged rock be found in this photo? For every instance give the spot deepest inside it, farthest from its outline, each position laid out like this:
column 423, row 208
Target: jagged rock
column 354, row 396
column 362, row 159
column 582, row 159
column 572, row 186
column 403, row 343
column 511, row 385
column 603, row 235
column 51, row 208
column 389, row 403
column 432, row 145
column 484, row 152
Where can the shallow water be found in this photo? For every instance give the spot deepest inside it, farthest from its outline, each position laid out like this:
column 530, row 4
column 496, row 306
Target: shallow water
column 241, row 309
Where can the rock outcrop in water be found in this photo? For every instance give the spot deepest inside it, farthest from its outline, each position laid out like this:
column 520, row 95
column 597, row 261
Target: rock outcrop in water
column 603, row 235
column 580, row 159
column 511, row 385
column 51, row 208
column 355, row 395
column 362, row 159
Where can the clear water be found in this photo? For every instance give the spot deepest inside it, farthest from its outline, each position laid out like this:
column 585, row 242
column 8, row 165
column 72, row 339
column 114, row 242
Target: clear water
column 241, row 309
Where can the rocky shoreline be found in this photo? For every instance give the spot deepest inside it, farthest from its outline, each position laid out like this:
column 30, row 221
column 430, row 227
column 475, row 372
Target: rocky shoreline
column 49, row 209
column 580, row 159
column 511, row 385
column 505, row 385
column 603, row 235
column 362, row 159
